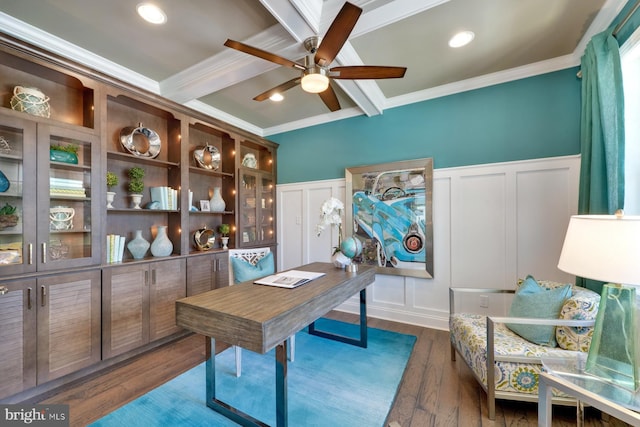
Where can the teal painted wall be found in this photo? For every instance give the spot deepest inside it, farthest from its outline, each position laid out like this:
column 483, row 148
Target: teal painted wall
column 536, row 117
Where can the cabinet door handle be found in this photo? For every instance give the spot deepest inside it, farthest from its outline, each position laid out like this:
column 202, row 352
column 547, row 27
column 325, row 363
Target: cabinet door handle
column 3, row 290
column 28, row 298
column 43, row 295
column 146, row 278
column 44, row 253
column 153, row 276
column 30, row 253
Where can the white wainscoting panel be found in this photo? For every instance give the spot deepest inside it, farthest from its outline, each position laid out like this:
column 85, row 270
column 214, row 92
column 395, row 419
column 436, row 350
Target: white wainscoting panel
column 492, row 224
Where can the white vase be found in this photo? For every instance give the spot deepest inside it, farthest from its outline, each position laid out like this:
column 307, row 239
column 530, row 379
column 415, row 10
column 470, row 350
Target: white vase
column 161, row 245
column 217, row 204
column 225, row 242
column 136, row 199
column 138, row 246
column 110, row 197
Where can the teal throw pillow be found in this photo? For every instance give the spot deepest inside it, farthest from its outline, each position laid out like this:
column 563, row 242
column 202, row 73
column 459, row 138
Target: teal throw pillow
column 534, row 301
column 244, row 271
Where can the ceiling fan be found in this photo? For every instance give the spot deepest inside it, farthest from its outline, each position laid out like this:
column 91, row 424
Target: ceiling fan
column 316, row 74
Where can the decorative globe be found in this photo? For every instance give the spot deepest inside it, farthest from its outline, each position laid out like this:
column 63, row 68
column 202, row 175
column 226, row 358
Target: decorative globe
column 351, row 247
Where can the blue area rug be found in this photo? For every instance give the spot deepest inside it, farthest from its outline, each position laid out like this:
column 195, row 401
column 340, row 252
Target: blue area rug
column 329, row 384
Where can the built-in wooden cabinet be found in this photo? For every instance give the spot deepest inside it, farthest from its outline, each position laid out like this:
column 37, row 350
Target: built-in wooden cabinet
column 211, row 159
column 68, row 212
column 17, row 336
column 65, row 303
column 68, row 320
column 50, row 328
column 138, row 303
column 51, row 201
column 162, row 171
column 207, row 271
column 256, row 195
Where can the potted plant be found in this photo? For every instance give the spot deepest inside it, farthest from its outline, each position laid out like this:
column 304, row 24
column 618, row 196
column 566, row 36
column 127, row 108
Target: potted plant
column 112, row 181
column 65, row 153
column 224, row 230
column 136, row 185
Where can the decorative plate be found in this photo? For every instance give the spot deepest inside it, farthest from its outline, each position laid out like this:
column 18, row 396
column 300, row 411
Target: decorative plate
column 140, row 141
column 207, row 157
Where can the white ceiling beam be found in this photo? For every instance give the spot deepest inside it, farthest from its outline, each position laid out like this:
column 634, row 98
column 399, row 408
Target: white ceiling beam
column 228, row 67
column 366, row 93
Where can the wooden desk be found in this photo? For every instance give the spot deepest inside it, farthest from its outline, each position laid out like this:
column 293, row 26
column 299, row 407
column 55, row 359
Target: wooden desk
column 259, row 318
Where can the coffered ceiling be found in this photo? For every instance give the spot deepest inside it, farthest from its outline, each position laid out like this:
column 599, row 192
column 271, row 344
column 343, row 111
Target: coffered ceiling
column 185, row 59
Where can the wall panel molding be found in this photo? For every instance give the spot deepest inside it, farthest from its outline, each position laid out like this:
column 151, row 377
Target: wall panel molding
column 492, row 224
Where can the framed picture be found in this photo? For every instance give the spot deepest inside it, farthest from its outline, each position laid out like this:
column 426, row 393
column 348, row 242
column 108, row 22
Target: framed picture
column 389, row 209
column 204, row 206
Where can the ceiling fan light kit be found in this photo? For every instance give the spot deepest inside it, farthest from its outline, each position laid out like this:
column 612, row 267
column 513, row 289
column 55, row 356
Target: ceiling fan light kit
column 314, row 82
column 316, row 74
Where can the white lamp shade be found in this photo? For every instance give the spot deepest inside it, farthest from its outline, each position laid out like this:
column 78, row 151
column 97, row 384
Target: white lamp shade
column 314, row 83
column 603, row 247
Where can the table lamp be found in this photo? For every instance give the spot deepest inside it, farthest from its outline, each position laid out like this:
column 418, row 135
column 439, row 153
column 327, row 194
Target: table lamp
column 607, row 248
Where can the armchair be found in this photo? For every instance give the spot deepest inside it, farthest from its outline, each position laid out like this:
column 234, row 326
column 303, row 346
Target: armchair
column 504, row 363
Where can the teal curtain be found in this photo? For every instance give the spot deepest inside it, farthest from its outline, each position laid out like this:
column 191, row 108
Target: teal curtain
column 602, row 132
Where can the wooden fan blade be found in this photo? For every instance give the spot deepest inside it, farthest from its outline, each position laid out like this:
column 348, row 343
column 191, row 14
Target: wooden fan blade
column 330, row 99
column 278, row 89
column 337, row 34
column 367, row 72
column 263, row 54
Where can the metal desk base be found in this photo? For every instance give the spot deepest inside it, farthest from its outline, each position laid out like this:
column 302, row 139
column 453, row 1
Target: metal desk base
column 362, row 342
column 247, row 420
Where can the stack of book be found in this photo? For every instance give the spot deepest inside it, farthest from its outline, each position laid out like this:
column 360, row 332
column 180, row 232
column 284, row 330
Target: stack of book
column 63, row 187
column 115, row 248
column 166, row 196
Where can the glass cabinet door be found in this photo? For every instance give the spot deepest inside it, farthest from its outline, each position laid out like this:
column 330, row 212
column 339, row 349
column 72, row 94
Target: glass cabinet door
column 266, row 232
column 257, row 193
column 66, row 178
column 17, row 205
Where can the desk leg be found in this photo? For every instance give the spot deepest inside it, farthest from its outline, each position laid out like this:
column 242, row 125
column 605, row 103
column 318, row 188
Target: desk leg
column 362, row 341
column 235, row 414
column 544, row 403
column 281, row 385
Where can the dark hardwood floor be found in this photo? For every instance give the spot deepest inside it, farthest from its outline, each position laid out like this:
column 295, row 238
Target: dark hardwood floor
column 434, row 392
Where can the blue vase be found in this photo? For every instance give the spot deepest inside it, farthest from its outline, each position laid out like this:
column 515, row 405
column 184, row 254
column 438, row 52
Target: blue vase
column 139, row 246
column 63, row 156
column 161, row 245
column 4, row 183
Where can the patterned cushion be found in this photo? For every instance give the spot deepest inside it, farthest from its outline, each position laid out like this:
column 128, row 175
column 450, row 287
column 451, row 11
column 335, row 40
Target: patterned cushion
column 583, row 305
column 244, row 271
column 468, row 335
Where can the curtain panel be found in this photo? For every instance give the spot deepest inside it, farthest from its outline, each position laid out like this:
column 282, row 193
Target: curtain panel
column 601, row 132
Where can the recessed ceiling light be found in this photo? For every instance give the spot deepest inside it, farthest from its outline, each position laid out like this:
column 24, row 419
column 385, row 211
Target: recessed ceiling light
column 277, row 97
column 463, row 38
column 151, row 13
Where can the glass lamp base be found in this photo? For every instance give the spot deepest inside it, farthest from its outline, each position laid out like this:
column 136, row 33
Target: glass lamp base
column 614, row 352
